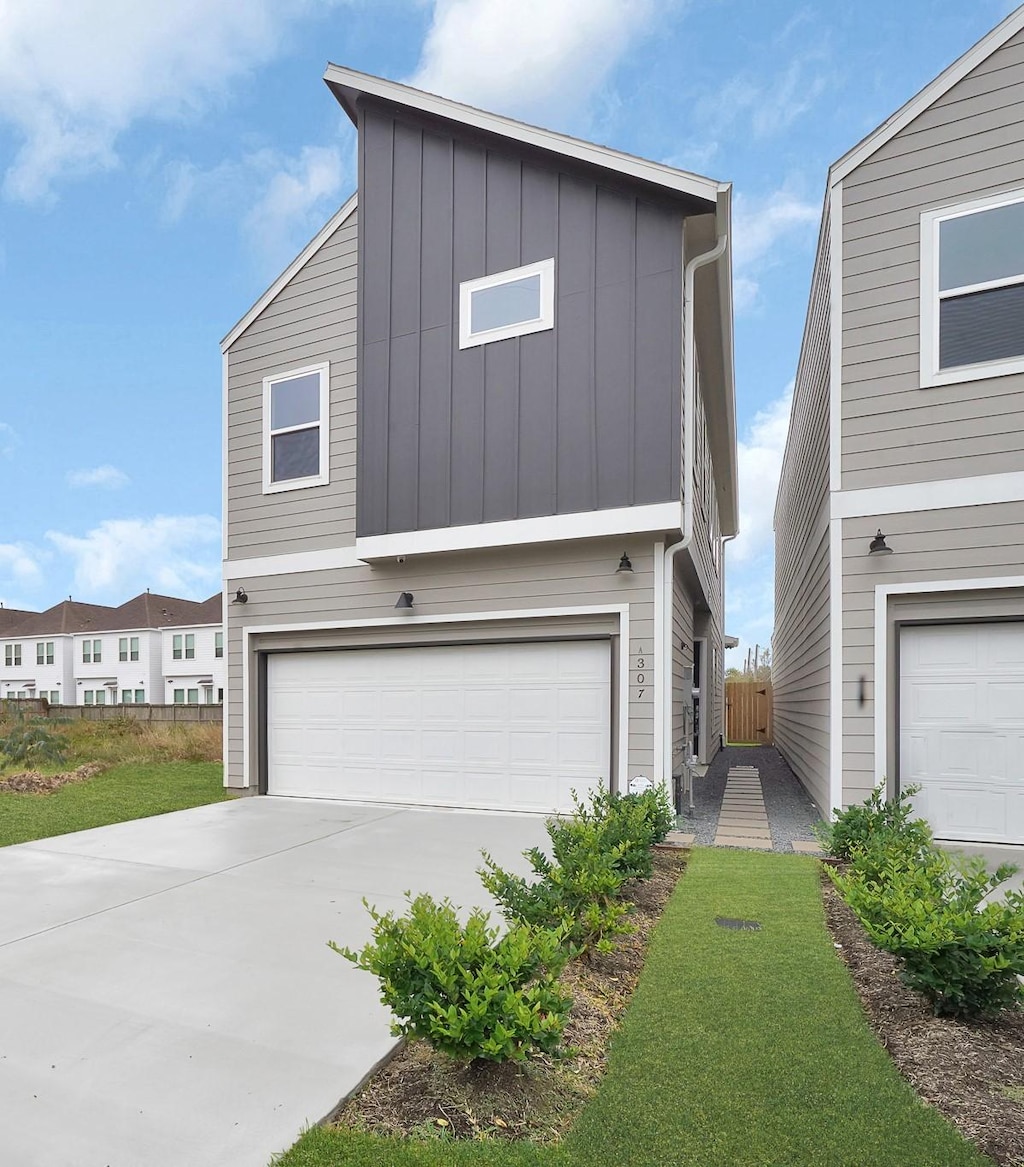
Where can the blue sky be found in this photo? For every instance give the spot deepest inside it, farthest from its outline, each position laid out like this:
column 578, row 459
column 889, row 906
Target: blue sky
column 160, row 164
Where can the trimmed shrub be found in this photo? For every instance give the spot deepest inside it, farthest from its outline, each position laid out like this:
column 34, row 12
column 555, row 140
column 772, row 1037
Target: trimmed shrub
column 470, row 991
column 877, row 822
column 964, row 955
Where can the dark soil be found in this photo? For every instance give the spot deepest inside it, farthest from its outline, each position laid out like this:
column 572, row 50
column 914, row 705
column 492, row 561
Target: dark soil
column 420, row 1092
column 972, row 1073
column 32, row 782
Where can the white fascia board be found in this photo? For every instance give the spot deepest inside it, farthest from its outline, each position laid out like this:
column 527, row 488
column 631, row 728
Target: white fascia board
column 290, row 564
column 944, row 494
column 680, row 181
column 304, row 256
column 835, row 338
column 654, row 517
column 929, row 95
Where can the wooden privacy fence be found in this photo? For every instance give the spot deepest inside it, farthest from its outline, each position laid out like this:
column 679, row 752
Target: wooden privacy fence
column 168, row 713
column 748, row 712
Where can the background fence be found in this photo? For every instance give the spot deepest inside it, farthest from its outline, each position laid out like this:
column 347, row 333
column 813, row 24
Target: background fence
column 748, row 712
column 162, row 713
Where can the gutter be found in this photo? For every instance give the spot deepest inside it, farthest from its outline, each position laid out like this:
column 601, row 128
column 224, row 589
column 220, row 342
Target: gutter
column 663, row 595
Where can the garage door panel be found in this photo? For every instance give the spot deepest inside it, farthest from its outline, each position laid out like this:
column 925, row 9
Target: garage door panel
column 511, row 726
column 962, row 728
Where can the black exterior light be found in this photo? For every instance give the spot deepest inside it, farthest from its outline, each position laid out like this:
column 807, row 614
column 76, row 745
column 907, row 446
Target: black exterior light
column 624, row 565
column 404, row 600
column 241, row 597
column 878, row 545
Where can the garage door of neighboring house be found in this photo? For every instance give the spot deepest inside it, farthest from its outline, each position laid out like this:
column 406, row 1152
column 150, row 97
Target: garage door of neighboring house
column 494, row 726
column 962, row 728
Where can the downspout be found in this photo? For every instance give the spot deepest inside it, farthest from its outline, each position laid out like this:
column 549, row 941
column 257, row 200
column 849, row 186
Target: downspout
column 725, row 711
column 664, row 598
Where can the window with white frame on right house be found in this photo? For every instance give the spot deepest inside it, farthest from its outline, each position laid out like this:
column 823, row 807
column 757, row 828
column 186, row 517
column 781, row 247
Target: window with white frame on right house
column 972, row 290
column 295, row 429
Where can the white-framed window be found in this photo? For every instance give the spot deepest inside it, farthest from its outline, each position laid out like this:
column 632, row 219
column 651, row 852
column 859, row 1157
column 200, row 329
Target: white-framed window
column 220, row 696
column 193, row 697
column 183, row 647
column 12, row 654
column 140, row 696
column 126, row 696
column 508, row 303
column 972, row 290
column 95, row 696
column 44, row 652
column 87, row 696
column 179, row 696
column 207, row 694
column 296, row 413
column 92, row 652
column 218, row 645
column 128, row 648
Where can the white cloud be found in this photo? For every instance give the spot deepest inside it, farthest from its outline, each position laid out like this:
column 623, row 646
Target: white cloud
column 177, row 554
column 760, row 225
column 19, row 563
column 74, row 77
column 108, row 477
column 9, row 439
column 529, row 58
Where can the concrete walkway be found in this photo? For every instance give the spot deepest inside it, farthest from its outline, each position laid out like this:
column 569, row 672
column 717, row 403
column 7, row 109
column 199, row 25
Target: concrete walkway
column 167, row 997
column 743, row 820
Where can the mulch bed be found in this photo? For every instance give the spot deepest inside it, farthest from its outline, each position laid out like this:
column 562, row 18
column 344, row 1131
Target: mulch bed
column 32, row 782
column 971, row 1073
column 420, row 1092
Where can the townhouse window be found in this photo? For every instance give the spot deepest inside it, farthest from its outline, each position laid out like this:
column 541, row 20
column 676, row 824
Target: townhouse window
column 295, row 429
column 54, row 696
column 12, row 654
column 140, row 696
column 126, row 696
column 128, row 648
column 506, row 304
column 183, row 647
column 218, row 645
column 220, row 696
column 179, row 696
column 92, row 652
column 101, row 696
column 193, row 697
column 972, row 290
column 87, row 696
column 44, row 652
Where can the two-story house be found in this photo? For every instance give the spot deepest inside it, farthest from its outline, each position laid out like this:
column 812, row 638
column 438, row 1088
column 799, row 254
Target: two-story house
column 899, row 625
column 192, row 657
column 480, row 458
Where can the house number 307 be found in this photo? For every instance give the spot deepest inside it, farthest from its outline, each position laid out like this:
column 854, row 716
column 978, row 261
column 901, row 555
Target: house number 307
column 641, row 673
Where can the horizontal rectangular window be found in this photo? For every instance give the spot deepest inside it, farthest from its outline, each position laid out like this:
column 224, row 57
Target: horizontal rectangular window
column 12, row 654
column 972, row 290
column 296, row 409
column 128, row 648
column 92, row 652
column 507, row 304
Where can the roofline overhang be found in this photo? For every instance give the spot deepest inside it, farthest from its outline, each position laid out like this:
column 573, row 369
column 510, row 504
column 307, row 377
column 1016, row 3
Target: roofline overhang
column 349, row 85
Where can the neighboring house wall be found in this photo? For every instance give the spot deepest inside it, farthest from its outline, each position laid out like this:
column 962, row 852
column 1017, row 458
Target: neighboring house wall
column 580, row 417
column 311, row 319
column 800, row 645
column 204, row 671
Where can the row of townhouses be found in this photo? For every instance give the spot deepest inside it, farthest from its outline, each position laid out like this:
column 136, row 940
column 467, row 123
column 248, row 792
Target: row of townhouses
column 151, row 649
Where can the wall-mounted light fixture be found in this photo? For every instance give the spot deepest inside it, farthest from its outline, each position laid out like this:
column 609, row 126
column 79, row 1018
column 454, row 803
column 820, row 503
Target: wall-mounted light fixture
column 879, row 546
column 624, row 565
column 241, row 597
column 404, row 600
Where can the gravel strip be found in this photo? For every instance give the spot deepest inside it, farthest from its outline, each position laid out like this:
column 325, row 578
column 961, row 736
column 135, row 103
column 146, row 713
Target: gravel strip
column 791, row 813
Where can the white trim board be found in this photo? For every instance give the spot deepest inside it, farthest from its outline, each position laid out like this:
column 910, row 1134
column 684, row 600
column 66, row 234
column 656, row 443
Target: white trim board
column 881, row 643
column 835, row 660
column 620, row 610
column 291, row 563
column 928, row 95
column 835, row 338
column 304, row 256
column 345, row 83
column 654, row 517
column 943, row 494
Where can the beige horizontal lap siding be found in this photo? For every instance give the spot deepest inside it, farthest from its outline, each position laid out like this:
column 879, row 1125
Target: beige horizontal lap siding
column 311, row 320
column 963, row 543
column 800, row 643
column 561, row 575
column 967, row 144
column 682, row 660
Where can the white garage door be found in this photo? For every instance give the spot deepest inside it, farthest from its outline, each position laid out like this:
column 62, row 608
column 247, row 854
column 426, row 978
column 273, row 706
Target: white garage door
column 498, row 726
column 962, row 728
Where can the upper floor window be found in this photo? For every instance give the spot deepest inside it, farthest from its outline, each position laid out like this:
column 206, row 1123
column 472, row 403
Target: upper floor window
column 128, row 648
column 972, row 290
column 184, row 647
column 295, row 429
column 12, row 654
column 510, row 303
column 44, row 652
column 218, row 644
column 92, row 651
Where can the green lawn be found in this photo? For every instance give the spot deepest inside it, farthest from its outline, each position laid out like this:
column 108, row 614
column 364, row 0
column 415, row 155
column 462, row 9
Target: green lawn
column 740, row 1049
column 130, row 791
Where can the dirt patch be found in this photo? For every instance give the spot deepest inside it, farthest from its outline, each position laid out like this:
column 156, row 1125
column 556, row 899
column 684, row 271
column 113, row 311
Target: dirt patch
column 32, row 782
column 421, row 1092
column 972, row 1073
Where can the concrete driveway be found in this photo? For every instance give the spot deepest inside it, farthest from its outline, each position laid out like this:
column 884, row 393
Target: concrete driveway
column 166, row 993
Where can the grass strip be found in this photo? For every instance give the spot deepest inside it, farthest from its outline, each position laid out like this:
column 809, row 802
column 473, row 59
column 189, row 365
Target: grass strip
column 131, row 791
column 739, row 1049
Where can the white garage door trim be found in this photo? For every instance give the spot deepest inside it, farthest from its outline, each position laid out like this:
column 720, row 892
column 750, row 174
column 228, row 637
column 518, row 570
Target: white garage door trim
column 961, row 726
column 510, row 725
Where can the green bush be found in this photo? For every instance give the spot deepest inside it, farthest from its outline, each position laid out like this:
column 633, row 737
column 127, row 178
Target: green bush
column 469, row 991
column 633, row 821
column 31, row 743
column 576, row 894
column 964, row 955
column 875, row 822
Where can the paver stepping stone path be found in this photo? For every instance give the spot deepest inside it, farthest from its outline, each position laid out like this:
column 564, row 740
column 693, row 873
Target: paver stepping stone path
column 743, row 820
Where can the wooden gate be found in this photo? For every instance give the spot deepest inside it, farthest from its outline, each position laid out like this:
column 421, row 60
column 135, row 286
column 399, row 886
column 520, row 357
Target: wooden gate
column 748, row 712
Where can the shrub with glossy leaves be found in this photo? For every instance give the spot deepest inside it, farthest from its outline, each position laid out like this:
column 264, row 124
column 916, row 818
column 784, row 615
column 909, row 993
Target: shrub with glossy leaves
column 877, row 822
column 964, row 954
column 469, row 990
